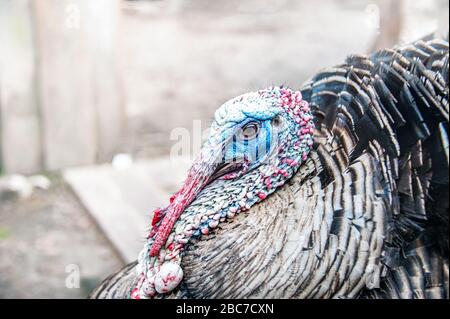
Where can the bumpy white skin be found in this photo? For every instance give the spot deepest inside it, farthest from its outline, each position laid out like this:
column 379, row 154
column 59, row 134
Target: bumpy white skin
column 168, row 277
column 287, row 145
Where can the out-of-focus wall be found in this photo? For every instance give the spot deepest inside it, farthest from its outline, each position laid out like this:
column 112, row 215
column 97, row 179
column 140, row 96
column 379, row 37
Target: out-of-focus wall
column 182, row 58
column 60, row 95
column 20, row 149
column 81, row 80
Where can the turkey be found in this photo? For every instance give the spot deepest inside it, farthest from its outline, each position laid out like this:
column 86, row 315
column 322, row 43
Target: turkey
column 339, row 190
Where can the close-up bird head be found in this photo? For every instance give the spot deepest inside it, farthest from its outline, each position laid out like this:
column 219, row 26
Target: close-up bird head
column 257, row 141
column 335, row 191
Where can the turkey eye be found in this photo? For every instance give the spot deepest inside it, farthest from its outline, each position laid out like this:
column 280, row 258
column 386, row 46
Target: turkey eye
column 250, row 131
column 277, row 121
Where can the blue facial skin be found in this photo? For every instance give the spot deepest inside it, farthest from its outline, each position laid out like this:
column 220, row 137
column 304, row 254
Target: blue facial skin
column 234, row 116
column 253, row 149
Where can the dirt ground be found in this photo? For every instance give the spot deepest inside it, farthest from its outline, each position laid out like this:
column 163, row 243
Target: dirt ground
column 43, row 239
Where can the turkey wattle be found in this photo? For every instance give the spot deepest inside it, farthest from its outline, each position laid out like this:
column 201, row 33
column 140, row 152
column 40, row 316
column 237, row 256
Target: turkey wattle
column 340, row 190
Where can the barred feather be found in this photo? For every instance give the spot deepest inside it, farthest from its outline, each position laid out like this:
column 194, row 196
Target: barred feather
column 366, row 216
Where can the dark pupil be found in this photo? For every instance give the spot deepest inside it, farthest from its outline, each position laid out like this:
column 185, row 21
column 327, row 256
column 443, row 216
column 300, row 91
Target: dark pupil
column 250, row 131
column 276, row 121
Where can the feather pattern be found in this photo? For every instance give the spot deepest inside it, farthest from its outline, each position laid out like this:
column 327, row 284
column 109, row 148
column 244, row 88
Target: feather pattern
column 366, row 216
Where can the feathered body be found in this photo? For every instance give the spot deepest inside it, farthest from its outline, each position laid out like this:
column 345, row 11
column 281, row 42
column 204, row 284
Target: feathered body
column 364, row 215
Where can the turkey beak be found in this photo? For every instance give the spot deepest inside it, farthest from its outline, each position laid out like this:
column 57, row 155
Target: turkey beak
column 198, row 177
column 225, row 169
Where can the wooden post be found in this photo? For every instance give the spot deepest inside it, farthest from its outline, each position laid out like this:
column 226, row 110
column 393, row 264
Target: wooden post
column 20, row 139
column 79, row 90
column 105, row 19
column 60, row 93
column 391, row 20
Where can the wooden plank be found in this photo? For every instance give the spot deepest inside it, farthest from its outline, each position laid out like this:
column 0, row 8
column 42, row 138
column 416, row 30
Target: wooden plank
column 102, row 197
column 121, row 201
column 19, row 116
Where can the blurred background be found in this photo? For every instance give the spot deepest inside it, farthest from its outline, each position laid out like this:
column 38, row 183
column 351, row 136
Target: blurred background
column 95, row 94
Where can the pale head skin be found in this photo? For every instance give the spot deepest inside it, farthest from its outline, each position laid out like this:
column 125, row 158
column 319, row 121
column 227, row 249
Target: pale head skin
column 266, row 135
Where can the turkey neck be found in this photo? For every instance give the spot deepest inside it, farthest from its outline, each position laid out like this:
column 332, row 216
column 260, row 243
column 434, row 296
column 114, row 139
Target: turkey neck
column 304, row 241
